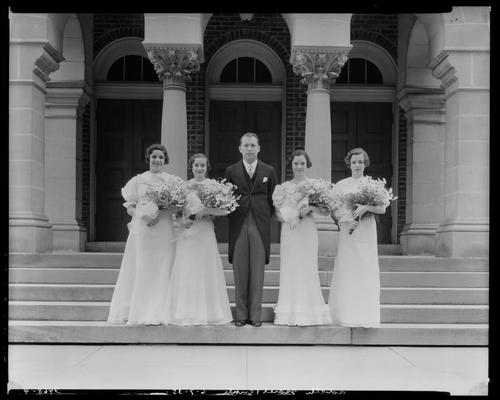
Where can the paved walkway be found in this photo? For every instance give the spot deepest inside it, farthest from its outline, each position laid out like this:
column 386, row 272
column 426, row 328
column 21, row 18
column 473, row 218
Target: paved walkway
column 458, row 370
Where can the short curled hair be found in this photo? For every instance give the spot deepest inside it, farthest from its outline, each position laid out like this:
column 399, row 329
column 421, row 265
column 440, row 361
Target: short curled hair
column 250, row 135
column 154, row 147
column 300, row 152
column 357, row 151
column 199, row 155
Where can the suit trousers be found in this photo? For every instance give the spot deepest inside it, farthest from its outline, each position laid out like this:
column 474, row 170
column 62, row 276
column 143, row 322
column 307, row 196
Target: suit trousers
column 248, row 265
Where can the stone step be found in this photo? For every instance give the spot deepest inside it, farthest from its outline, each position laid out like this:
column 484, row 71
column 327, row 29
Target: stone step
column 388, row 295
column 119, row 247
column 388, row 334
column 113, row 260
column 393, row 313
column 110, row 275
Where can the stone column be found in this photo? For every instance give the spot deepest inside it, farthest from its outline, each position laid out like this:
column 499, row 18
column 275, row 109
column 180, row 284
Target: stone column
column 63, row 163
column 174, row 64
column 29, row 69
column 464, row 230
column 319, row 67
column 424, row 209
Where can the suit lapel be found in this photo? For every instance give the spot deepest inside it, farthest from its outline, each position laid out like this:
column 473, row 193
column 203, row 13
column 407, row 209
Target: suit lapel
column 240, row 170
column 257, row 174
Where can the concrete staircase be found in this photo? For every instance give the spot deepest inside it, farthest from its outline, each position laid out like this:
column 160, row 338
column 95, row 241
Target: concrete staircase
column 64, row 298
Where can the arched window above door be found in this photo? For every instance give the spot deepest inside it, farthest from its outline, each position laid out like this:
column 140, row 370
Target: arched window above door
column 132, row 68
column 123, row 71
column 360, row 70
column 245, row 70
column 251, row 58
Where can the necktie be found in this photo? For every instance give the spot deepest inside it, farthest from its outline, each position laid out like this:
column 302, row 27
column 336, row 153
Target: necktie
column 250, row 171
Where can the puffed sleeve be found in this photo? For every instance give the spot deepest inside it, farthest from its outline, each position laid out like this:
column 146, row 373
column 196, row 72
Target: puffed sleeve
column 130, row 193
column 279, row 196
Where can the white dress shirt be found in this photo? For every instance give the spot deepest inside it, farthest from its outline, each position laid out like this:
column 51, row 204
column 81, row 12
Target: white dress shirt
column 250, row 167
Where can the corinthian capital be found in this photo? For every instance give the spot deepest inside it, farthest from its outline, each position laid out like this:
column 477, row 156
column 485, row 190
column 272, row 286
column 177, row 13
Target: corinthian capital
column 319, row 66
column 174, row 64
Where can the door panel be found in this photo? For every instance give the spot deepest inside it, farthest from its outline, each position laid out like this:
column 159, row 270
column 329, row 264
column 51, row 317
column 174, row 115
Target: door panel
column 125, row 129
column 366, row 125
column 227, row 124
column 343, row 136
column 229, row 120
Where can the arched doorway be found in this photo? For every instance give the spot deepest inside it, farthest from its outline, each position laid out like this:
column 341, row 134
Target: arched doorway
column 128, row 119
column 245, row 93
column 362, row 108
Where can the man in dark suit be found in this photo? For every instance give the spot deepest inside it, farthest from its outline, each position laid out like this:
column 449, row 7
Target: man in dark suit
column 250, row 228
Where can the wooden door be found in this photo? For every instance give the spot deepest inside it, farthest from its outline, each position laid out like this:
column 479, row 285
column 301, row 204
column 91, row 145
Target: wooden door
column 125, row 129
column 366, row 125
column 229, row 120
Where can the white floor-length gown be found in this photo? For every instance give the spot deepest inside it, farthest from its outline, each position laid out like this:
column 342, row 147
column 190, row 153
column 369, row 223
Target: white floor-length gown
column 197, row 293
column 148, row 257
column 354, row 298
column 300, row 300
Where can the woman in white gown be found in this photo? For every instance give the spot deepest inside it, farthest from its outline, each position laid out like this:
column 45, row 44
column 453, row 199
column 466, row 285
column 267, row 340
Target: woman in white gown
column 300, row 300
column 197, row 293
column 149, row 251
column 354, row 298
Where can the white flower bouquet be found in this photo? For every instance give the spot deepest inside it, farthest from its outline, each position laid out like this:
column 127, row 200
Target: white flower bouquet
column 170, row 194
column 317, row 192
column 371, row 192
column 217, row 197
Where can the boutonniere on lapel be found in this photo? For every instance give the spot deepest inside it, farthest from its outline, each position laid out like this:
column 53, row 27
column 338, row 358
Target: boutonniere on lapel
column 264, row 180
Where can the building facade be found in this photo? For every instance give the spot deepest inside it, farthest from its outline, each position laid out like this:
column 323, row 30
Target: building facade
column 88, row 93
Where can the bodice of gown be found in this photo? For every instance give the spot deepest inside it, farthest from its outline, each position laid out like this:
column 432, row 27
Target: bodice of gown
column 194, row 202
column 287, row 195
column 288, row 200
column 134, row 192
column 342, row 187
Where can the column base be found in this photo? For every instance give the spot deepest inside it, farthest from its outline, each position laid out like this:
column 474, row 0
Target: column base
column 68, row 237
column 328, row 236
column 419, row 239
column 30, row 235
column 463, row 239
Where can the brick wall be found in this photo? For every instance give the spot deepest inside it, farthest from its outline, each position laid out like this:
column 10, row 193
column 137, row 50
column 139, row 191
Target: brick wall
column 381, row 29
column 402, row 151
column 86, row 167
column 109, row 27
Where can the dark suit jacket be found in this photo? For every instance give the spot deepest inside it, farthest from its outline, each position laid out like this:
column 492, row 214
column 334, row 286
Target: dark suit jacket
column 256, row 198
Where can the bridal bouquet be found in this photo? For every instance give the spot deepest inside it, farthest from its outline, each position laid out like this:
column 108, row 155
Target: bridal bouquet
column 317, row 192
column 172, row 193
column 371, row 192
column 217, row 197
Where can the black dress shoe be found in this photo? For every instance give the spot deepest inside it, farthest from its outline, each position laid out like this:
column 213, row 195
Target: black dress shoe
column 240, row 323
column 256, row 324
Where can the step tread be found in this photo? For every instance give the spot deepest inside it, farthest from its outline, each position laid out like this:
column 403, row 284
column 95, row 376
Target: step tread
column 107, row 303
column 87, row 255
column 62, row 285
column 449, row 306
column 266, row 324
column 389, row 288
column 60, row 303
column 272, row 271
